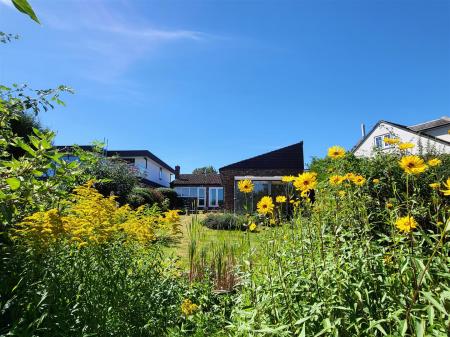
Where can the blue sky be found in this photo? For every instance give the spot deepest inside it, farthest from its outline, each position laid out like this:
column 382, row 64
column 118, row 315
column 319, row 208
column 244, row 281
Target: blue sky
column 214, row 82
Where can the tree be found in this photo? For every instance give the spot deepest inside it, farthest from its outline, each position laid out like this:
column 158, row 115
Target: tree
column 204, row 170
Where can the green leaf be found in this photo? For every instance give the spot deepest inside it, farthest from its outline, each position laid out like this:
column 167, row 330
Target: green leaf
column 434, row 302
column 24, row 7
column 13, row 183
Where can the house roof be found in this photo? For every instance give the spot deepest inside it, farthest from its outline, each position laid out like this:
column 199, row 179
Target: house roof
column 402, row 127
column 198, row 179
column 289, row 157
column 138, row 153
column 444, row 120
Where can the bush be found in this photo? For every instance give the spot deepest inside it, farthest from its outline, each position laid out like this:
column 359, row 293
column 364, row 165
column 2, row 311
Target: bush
column 175, row 202
column 224, row 221
column 145, row 196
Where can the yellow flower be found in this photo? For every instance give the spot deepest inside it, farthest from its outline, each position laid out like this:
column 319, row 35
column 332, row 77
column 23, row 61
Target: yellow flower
column 245, row 186
column 265, row 205
column 342, row 194
column 336, row 152
column 287, row 179
column 387, row 259
column 376, row 181
column 349, row 176
column 252, row 227
column 336, row 180
column 447, row 186
column 188, row 308
column 406, row 223
column 435, row 186
column 306, row 181
column 272, row 221
column 359, row 180
column 405, row 146
column 412, row 164
column 391, row 141
column 280, row 199
column 434, row 162
column 389, row 205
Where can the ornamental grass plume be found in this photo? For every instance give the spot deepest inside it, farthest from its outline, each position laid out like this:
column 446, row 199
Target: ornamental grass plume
column 406, row 224
column 412, row 164
column 434, row 162
column 306, row 181
column 245, row 186
column 336, row 152
column 280, row 199
column 265, row 205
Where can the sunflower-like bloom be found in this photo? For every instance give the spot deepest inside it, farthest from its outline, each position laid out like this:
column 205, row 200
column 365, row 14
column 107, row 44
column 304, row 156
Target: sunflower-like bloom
column 435, row 186
column 406, row 224
column 287, row 179
column 252, row 227
column 306, row 181
column 376, row 181
column 359, row 180
column 391, row 141
column 447, row 186
column 412, row 164
column 188, row 308
column 405, row 146
column 245, row 186
column 265, row 205
column 434, row 162
column 349, row 176
column 336, row 180
column 336, row 152
column 280, row 199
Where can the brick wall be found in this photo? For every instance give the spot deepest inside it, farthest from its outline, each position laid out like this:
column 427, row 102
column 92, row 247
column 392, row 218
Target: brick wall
column 228, row 175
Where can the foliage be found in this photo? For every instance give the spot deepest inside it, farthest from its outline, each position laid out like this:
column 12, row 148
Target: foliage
column 174, row 202
column 204, row 170
column 224, row 221
column 115, row 177
column 145, row 196
column 24, row 7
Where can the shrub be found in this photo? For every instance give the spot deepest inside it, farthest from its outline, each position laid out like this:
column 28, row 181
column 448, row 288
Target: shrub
column 175, row 202
column 224, row 221
column 145, row 196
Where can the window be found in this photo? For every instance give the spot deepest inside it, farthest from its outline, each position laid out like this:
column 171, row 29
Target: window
column 198, row 193
column 379, row 141
column 160, row 173
column 215, row 196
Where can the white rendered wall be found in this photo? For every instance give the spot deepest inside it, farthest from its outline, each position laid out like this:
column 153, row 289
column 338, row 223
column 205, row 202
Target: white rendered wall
column 366, row 149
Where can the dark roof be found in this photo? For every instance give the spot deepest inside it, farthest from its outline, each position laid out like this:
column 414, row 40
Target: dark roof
column 138, row 153
column 198, row 179
column 400, row 126
column 431, row 124
column 150, row 183
column 289, row 157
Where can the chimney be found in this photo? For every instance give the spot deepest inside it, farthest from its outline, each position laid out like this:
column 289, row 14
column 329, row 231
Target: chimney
column 363, row 130
column 177, row 171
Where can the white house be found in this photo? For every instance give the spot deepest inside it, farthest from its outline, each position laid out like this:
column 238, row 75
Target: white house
column 428, row 136
column 154, row 171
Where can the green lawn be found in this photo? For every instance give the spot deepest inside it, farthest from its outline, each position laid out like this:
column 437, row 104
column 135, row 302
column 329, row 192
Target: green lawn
column 210, row 239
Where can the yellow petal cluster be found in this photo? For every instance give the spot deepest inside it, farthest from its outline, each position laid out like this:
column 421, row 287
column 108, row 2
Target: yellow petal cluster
column 280, row 199
column 245, row 186
column 305, row 181
column 434, row 162
column 336, row 152
column 287, row 179
column 90, row 218
column 412, row 164
column 188, row 308
column 391, row 141
column 406, row 224
column 405, row 146
column 252, row 227
column 265, row 205
column 447, row 187
column 336, row 180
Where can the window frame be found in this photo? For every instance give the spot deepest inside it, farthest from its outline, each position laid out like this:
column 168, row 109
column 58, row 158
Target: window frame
column 216, row 192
